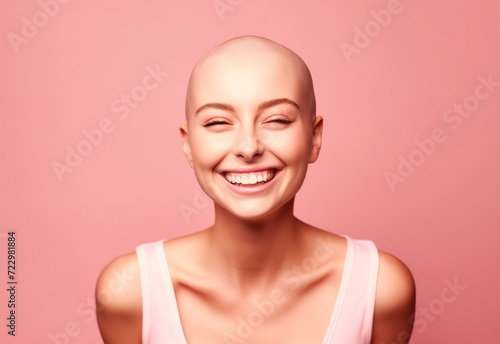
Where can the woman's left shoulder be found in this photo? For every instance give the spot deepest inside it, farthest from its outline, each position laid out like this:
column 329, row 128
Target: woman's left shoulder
column 394, row 302
column 395, row 284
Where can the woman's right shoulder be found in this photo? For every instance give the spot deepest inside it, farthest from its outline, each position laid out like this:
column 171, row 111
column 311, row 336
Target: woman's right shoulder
column 119, row 301
column 118, row 288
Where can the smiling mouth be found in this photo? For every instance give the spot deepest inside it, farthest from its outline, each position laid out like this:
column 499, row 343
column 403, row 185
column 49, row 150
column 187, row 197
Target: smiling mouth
column 250, row 179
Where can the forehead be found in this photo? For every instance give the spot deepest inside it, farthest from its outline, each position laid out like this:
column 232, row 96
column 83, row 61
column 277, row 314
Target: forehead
column 247, row 78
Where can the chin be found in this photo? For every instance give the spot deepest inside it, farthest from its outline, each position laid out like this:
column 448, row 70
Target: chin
column 249, row 213
column 256, row 210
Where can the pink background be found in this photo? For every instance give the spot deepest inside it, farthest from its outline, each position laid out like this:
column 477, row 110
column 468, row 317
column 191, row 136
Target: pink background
column 443, row 220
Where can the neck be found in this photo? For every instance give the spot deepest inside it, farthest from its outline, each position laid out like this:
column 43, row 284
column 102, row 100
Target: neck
column 254, row 251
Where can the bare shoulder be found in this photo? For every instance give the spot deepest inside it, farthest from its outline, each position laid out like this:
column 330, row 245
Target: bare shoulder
column 395, row 301
column 118, row 286
column 119, row 301
column 395, row 284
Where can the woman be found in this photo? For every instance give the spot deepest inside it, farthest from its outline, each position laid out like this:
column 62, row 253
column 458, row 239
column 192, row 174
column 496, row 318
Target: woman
column 258, row 274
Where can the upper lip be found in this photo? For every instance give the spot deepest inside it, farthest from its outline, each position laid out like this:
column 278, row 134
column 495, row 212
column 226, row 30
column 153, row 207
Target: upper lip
column 250, row 170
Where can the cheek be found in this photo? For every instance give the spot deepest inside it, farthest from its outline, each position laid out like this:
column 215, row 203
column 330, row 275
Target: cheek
column 207, row 150
column 290, row 146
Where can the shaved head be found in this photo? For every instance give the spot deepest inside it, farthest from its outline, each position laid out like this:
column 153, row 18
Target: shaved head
column 248, row 55
column 250, row 107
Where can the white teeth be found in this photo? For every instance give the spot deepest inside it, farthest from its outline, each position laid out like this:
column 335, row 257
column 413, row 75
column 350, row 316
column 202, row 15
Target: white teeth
column 249, row 178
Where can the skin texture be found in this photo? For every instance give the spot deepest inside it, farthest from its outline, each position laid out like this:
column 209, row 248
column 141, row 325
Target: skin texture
column 250, row 106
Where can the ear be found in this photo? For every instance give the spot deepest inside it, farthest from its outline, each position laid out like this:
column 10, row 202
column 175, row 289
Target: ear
column 185, row 144
column 316, row 139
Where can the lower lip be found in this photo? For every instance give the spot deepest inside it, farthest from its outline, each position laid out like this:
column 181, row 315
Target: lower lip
column 252, row 189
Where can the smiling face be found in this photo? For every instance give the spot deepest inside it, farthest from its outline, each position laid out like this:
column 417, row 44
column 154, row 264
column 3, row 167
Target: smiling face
column 251, row 129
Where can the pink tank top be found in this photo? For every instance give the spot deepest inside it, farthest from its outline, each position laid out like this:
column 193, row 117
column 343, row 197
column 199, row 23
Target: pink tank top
column 352, row 315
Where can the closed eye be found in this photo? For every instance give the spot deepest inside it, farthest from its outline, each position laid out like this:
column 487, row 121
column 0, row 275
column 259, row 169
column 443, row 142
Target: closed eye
column 215, row 122
column 279, row 120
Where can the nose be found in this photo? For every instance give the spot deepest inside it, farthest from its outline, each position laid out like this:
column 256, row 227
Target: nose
column 248, row 145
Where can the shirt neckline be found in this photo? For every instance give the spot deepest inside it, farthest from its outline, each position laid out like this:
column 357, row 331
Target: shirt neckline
column 337, row 306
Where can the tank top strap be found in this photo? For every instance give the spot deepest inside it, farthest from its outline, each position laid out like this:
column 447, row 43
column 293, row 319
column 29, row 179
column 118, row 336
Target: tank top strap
column 352, row 318
column 160, row 317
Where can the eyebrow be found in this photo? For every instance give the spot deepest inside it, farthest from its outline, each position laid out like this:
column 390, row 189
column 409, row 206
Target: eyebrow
column 262, row 106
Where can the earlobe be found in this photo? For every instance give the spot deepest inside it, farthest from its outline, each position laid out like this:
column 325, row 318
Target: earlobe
column 185, row 144
column 316, row 139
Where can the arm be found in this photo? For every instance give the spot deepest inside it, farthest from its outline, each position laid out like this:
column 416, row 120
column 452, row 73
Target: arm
column 119, row 302
column 394, row 303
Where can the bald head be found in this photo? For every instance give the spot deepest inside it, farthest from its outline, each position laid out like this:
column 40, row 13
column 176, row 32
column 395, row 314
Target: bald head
column 238, row 62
